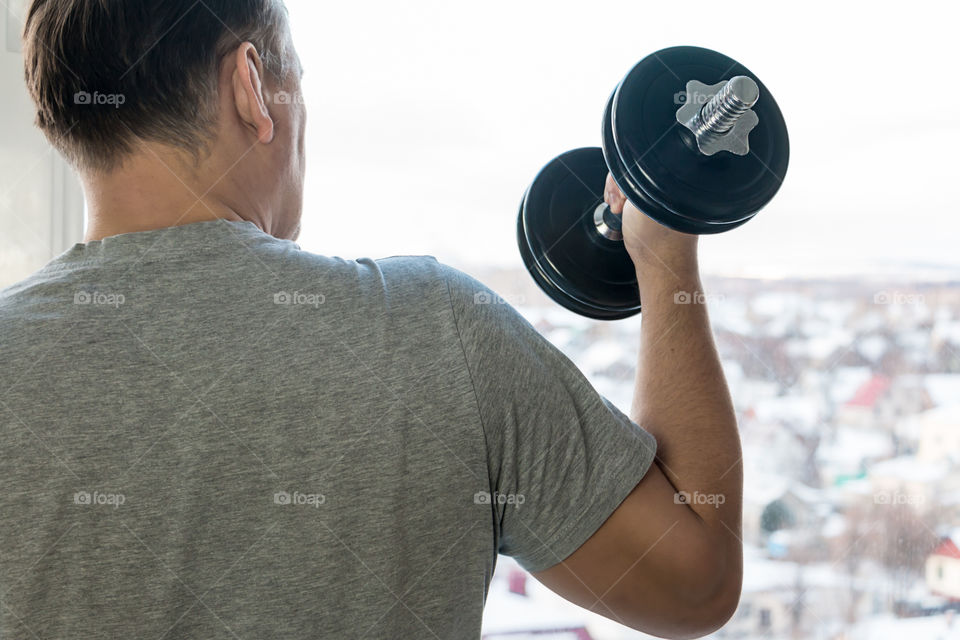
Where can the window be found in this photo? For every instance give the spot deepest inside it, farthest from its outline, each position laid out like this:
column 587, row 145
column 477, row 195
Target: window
column 41, row 205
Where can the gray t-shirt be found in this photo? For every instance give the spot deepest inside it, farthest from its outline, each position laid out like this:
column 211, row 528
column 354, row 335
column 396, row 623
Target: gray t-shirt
column 210, row 433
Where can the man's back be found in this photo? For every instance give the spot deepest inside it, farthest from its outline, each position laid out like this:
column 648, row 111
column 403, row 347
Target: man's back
column 210, row 433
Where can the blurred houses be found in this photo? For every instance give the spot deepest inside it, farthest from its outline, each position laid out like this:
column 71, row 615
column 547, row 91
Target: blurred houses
column 848, row 398
column 867, row 409
column 939, row 434
column 942, row 568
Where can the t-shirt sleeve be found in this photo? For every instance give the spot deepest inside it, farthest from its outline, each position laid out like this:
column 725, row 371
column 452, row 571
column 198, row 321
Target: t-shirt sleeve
column 561, row 457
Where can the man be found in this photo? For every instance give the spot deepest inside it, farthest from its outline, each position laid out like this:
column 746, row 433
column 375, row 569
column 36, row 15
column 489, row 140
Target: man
column 210, row 433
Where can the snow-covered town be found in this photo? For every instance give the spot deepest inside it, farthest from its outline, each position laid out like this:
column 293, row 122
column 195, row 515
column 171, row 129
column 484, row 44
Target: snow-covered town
column 848, row 396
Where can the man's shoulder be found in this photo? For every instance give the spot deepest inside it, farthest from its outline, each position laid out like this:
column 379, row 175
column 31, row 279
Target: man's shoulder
column 461, row 289
column 393, row 271
column 414, row 281
column 414, row 266
column 12, row 294
column 427, row 265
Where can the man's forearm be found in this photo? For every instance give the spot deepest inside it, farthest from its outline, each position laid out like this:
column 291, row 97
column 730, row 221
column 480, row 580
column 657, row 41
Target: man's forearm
column 682, row 397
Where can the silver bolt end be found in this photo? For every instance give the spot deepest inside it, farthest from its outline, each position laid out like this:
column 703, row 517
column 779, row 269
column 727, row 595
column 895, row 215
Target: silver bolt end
column 722, row 112
column 721, row 116
column 745, row 90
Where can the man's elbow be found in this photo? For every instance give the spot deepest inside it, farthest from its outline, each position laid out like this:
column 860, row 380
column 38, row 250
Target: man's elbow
column 705, row 595
column 717, row 569
column 720, row 596
column 712, row 615
column 691, row 620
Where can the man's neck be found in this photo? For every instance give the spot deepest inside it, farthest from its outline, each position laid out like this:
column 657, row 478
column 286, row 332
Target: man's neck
column 103, row 224
column 152, row 191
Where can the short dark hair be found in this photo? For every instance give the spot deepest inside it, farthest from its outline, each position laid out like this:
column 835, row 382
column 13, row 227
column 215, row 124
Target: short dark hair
column 107, row 73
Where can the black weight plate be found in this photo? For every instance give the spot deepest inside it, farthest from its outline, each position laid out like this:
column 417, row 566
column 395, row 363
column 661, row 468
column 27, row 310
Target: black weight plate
column 630, row 186
column 712, row 193
column 548, row 287
column 576, row 266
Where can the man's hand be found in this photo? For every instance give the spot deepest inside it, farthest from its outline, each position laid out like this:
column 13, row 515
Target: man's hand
column 653, row 247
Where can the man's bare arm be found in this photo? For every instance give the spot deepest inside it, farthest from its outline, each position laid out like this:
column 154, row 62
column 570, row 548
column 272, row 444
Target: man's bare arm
column 661, row 564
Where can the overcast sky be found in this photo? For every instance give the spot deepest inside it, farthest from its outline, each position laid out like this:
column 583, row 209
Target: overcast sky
column 429, row 119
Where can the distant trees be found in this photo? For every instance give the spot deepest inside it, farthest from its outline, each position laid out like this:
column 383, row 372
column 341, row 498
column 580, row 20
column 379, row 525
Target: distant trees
column 897, row 537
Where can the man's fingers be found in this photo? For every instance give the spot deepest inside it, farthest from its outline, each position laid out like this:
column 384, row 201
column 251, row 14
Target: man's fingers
column 613, row 196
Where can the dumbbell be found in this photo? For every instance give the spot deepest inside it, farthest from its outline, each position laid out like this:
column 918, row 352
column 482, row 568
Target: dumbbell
column 693, row 139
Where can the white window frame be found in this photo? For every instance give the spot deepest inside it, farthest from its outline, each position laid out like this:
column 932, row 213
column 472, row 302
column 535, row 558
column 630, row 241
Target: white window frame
column 68, row 209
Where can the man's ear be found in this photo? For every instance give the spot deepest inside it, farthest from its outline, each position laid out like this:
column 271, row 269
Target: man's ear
column 248, row 92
